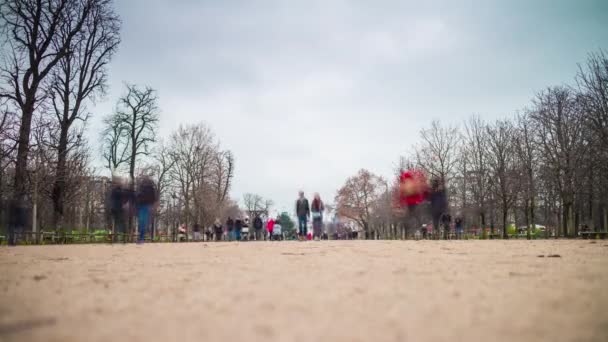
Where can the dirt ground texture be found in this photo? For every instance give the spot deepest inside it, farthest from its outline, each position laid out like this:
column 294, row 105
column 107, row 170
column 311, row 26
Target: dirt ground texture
column 307, row 291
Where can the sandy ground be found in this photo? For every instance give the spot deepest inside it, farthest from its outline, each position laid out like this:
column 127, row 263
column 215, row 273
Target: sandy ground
column 309, row 291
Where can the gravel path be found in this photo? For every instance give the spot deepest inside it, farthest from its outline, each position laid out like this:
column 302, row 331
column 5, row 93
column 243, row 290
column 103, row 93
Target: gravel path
column 307, row 291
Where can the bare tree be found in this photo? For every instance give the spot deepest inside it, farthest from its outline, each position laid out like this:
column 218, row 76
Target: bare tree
column 475, row 153
column 8, row 143
column 528, row 160
column 357, row 197
column 39, row 36
column 115, row 144
column 131, row 130
column 80, row 75
column 502, row 166
column 137, row 113
column 192, row 148
column 256, row 205
column 437, row 155
column 558, row 116
column 224, row 172
column 592, row 80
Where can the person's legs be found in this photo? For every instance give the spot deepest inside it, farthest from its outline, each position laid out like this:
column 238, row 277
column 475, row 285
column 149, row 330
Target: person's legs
column 317, row 226
column 302, row 226
column 142, row 220
column 436, row 231
column 237, row 235
column 119, row 225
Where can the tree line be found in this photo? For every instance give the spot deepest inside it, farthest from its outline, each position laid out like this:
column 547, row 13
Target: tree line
column 53, row 69
column 546, row 164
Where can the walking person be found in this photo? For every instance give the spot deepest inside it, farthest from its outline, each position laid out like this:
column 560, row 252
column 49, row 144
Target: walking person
column 459, row 227
column 118, row 200
column 439, row 204
column 196, row 232
column 303, row 213
column 277, row 230
column 317, row 209
column 270, row 227
column 258, row 224
column 230, row 228
column 208, row 233
column 145, row 201
column 16, row 220
column 238, row 227
column 218, row 230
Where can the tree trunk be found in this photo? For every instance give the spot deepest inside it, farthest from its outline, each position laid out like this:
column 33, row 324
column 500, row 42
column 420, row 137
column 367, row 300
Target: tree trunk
column 504, row 222
column 532, row 217
column 132, row 181
column 527, row 218
column 60, row 174
column 23, row 148
column 605, row 219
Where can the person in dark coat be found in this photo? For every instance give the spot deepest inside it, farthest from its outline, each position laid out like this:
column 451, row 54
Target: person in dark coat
column 258, row 224
column 119, row 197
column 230, row 228
column 238, row 227
column 438, row 202
column 218, row 230
column 303, row 213
column 17, row 217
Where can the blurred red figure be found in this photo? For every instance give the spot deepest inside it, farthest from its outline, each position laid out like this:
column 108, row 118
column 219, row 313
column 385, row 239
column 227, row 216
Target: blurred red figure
column 270, row 228
column 413, row 188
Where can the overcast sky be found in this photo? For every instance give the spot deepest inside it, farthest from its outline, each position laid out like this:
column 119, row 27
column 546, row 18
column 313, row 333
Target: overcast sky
column 305, row 93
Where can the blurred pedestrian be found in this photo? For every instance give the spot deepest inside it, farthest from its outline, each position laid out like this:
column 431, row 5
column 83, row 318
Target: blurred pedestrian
column 258, row 224
column 439, row 204
column 119, row 197
column 303, row 213
column 208, row 233
column 230, row 228
column 145, row 201
column 238, row 228
column 459, row 227
column 17, row 218
column 196, row 232
column 218, row 230
column 270, row 227
column 446, row 222
column 277, row 230
column 317, row 209
column 182, row 233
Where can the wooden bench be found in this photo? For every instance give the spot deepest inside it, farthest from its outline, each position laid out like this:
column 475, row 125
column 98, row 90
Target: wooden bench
column 592, row 235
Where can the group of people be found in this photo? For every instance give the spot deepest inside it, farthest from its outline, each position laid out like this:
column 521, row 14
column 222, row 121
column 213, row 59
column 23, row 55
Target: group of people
column 414, row 190
column 127, row 200
column 304, row 211
column 234, row 228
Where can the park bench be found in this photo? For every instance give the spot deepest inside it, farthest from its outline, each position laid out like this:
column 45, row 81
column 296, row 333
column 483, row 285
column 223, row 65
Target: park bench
column 116, row 237
column 593, row 235
column 47, row 237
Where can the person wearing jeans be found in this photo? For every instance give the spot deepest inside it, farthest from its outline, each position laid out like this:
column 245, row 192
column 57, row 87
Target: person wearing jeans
column 145, row 199
column 143, row 217
column 303, row 213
